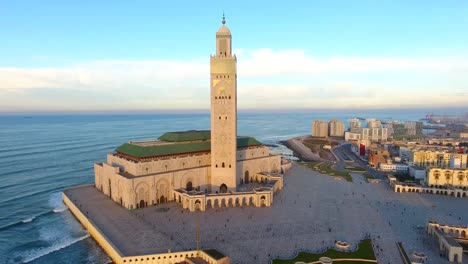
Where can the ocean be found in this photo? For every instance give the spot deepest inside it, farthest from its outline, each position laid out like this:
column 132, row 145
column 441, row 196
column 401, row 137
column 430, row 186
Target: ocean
column 40, row 155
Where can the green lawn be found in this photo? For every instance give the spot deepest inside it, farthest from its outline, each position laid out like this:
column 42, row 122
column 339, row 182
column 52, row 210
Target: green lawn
column 326, row 168
column 364, row 251
column 352, row 168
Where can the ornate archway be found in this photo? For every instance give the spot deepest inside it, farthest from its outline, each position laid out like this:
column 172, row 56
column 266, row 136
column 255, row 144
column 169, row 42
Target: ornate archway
column 142, row 194
column 188, row 186
column 162, row 191
column 223, row 188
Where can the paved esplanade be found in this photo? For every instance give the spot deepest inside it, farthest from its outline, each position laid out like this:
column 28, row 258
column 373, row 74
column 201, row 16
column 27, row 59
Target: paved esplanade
column 310, row 213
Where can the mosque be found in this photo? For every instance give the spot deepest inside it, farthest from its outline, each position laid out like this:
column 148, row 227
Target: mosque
column 198, row 169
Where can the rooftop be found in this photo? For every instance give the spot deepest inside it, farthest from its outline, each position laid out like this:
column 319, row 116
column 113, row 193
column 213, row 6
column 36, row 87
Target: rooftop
column 172, row 143
column 189, row 135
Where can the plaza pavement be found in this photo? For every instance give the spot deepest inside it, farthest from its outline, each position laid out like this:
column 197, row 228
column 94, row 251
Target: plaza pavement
column 310, row 213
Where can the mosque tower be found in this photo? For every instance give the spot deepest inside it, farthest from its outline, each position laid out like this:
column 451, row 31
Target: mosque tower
column 223, row 71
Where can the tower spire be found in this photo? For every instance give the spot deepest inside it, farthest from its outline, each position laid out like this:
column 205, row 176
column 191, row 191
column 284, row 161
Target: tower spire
column 224, row 19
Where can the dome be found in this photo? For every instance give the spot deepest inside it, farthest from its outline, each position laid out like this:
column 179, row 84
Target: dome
column 224, row 30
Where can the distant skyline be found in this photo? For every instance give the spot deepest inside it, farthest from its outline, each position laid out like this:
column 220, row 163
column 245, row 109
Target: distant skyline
column 123, row 56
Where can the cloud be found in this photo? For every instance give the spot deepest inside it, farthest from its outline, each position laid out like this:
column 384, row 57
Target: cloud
column 296, row 62
column 266, row 79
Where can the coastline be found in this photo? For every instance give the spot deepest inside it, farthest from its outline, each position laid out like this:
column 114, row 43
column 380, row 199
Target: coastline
column 300, row 150
column 118, row 256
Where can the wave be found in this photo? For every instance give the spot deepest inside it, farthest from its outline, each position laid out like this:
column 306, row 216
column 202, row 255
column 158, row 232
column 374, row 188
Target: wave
column 59, row 210
column 54, row 248
column 27, row 220
column 31, row 194
column 69, row 148
column 55, row 201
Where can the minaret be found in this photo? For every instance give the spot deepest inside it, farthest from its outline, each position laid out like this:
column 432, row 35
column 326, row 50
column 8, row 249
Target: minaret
column 223, row 113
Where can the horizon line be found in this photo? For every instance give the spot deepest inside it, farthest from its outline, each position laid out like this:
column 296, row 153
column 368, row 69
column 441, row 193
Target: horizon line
column 462, row 110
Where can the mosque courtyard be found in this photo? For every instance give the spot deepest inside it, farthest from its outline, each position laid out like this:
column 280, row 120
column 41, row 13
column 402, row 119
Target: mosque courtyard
column 310, row 213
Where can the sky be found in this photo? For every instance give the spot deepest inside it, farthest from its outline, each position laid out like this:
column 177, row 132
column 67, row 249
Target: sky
column 74, row 56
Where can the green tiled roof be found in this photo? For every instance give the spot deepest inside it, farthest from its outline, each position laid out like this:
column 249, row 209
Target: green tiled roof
column 177, row 148
column 190, row 135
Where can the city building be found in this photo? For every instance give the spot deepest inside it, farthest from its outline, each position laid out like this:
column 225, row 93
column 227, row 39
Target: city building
column 336, row 128
column 418, row 173
column 389, row 127
column 372, row 123
column 456, row 162
column 394, row 167
column 443, row 142
column 414, row 128
column 354, row 123
column 349, row 136
column 319, row 128
column 371, row 134
column 198, row 169
column 407, row 130
column 449, row 239
column 406, row 154
column 447, row 177
column 439, row 158
column 378, row 156
column 464, row 135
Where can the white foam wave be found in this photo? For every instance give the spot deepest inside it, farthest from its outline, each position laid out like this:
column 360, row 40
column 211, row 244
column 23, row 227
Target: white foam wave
column 54, row 248
column 55, row 201
column 28, row 220
column 59, row 210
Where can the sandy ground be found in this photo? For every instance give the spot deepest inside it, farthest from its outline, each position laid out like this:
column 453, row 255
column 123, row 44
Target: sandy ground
column 310, row 213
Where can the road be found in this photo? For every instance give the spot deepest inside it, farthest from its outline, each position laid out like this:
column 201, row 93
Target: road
column 343, row 152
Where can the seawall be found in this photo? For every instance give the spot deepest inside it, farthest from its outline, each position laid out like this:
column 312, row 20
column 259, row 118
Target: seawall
column 116, row 255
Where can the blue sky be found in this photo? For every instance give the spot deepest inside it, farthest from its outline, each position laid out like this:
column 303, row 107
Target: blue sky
column 150, row 55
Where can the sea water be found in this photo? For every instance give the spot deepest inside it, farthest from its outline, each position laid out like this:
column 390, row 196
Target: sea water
column 42, row 155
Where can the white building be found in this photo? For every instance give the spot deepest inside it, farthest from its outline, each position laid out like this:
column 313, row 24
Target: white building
column 456, row 162
column 419, row 173
column 354, row 123
column 352, row 136
column 372, row 134
column 398, row 168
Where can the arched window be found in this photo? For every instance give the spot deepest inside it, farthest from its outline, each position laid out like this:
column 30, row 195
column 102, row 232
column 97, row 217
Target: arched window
column 222, row 165
column 448, row 176
column 189, row 186
column 223, row 188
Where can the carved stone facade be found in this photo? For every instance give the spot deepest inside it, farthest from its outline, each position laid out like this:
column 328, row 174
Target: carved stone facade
column 223, row 113
column 144, row 183
column 198, row 169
